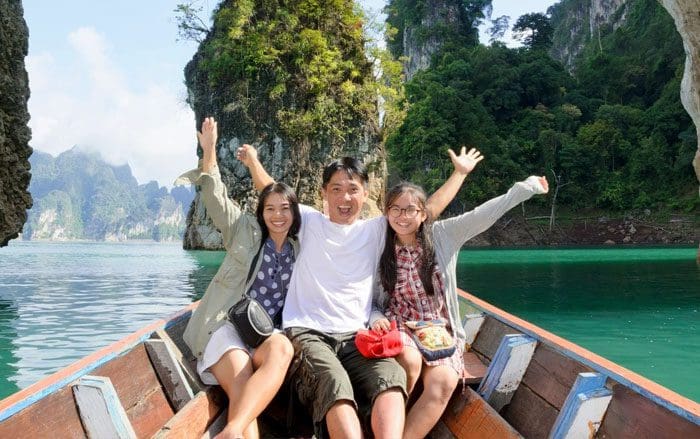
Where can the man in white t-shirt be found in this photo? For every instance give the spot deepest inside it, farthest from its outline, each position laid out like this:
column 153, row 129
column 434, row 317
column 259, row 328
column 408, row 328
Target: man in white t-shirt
column 329, row 299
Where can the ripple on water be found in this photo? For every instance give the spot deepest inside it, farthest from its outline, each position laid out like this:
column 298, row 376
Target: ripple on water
column 60, row 302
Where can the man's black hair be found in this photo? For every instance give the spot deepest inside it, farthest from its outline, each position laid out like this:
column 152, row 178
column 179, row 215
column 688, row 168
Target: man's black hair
column 351, row 165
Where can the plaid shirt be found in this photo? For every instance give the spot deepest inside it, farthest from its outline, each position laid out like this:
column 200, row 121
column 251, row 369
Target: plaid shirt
column 409, row 301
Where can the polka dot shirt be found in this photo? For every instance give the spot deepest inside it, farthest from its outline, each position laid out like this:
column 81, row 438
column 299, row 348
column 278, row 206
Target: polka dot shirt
column 272, row 281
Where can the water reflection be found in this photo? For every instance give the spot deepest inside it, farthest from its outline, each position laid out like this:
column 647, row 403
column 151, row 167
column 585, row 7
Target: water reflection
column 207, row 263
column 62, row 301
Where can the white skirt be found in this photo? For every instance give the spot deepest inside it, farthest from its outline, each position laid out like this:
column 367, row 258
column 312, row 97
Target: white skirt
column 222, row 340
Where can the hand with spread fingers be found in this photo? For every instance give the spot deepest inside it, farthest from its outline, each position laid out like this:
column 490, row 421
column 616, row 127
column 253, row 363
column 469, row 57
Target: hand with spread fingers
column 465, row 162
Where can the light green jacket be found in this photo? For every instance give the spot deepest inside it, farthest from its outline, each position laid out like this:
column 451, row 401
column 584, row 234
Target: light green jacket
column 241, row 237
column 448, row 237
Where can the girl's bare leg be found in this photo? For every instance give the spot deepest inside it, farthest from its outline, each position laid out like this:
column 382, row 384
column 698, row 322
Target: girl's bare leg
column 439, row 382
column 412, row 362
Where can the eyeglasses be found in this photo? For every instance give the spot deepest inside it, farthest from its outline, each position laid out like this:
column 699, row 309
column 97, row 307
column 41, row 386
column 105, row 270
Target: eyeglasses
column 410, row 211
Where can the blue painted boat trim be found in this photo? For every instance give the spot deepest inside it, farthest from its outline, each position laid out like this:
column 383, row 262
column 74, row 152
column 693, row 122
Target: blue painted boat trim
column 116, row 412
column 42, row 393
column 680, row 411
column 500, row 360
column 587, row 386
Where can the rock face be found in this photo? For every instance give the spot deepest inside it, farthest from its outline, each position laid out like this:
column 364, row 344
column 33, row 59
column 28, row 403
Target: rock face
column 14, row 132
column 686, row 15
column 577, row 22
column 419, row 46
column 257, row 111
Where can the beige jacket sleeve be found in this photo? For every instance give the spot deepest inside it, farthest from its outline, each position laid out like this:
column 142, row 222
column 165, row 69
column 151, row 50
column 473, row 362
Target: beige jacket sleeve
column 225, row 214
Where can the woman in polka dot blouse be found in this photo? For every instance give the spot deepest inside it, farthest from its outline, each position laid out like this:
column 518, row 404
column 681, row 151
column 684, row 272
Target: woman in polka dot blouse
column 249, row 376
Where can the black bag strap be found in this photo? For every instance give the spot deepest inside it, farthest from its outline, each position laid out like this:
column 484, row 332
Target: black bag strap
column 254, row 264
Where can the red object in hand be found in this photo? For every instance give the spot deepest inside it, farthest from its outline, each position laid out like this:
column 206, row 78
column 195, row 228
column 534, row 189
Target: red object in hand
column 379, row 344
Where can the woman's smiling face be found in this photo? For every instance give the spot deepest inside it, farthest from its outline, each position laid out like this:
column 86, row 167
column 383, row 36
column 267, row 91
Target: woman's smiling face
column 277, row 214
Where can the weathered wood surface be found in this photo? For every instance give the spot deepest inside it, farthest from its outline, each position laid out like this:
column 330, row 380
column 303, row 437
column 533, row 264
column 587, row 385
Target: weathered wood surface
column 100, row 410
column 469, row 416
column 551, row 374
column 489, row 337
column 583, row 409
column 41, row 389
column 472, row 323
column 194, row 419
column 631, row 415
column 187, row 362
column 53, row 416
column 507, row 369
column 139, row 390
column 169, row 372
column 175, row 332
column 528, row 413
column 474, row 369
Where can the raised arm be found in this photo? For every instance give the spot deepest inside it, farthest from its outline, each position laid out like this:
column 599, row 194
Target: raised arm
column 464, row 163
column 249, row 156
column 223, row 212
column 457, row 230
column 207, row 140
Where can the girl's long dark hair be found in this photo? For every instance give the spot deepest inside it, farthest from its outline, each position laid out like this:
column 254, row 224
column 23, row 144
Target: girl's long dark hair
column 424, row 236
column 289, row 195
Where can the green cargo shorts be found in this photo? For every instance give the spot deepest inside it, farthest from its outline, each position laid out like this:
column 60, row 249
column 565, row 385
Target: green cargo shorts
column 328, row 368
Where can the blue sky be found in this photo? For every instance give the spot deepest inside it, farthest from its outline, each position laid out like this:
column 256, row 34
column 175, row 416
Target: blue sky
column 108, row 76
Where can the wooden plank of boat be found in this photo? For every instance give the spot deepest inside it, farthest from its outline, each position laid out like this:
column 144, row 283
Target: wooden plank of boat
column 469, row 416
column 639, row 407
column 196, row 416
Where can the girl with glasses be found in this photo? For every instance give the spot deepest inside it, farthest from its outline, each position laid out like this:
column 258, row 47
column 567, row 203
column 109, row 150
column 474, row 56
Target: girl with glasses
column 418, row 280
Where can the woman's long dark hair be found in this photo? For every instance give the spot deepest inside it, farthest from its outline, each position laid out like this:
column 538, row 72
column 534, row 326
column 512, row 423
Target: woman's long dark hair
column 288, row 194
column 424, row 236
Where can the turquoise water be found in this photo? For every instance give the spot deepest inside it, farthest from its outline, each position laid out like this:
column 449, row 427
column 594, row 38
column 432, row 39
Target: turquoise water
column 638, row 307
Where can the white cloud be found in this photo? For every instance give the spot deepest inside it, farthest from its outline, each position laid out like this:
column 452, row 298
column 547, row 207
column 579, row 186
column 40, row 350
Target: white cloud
column 84, row 99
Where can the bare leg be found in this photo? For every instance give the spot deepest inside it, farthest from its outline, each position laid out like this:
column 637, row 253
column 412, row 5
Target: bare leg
column 232, row 371
column 388, row 414
column 412, row 361
column 439, row 382
column 247, row 399
column 342, row 421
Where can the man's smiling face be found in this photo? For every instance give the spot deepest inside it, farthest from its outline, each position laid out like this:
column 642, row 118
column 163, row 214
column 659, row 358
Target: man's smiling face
column 345, row 196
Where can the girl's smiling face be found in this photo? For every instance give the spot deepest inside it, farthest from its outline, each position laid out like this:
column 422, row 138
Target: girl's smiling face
column 405, row 214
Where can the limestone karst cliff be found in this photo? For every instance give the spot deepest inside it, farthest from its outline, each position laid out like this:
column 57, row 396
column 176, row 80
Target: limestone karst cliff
column 294, row 83
column 686, row 15
column 423, row 28
column 577, row 22
column 14, row 132
column 79, row 196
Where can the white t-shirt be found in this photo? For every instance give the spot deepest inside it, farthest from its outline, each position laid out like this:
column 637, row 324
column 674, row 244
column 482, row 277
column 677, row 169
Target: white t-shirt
column 331, row 286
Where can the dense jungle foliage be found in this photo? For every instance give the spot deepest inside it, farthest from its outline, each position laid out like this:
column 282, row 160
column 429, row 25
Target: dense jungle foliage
column 298, row 66
column 614, row 134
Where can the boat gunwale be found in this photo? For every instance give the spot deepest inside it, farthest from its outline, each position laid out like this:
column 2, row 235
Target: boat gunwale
column 676, row 403
column 46, row 386
column 667, row 398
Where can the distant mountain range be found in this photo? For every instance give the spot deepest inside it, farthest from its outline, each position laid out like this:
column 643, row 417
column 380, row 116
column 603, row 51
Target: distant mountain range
column 79, row 196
